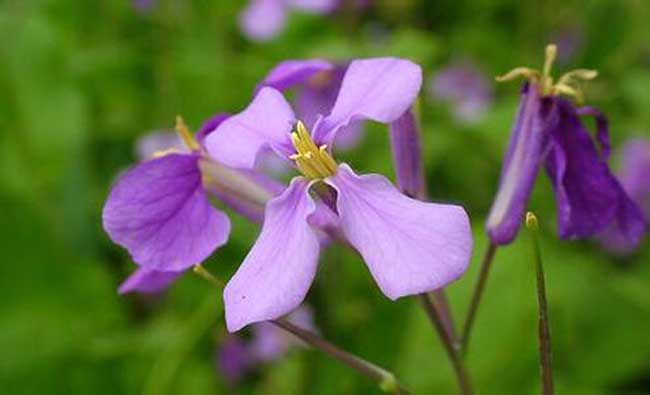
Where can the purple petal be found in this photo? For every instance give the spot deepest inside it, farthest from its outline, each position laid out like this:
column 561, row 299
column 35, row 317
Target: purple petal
column 160, row 213
column 314, row 6
column 262, row 20
column 410, row 246
column 380, row 89
column 290, row 73
column 153, row 143
column 265, row 123
column 602, row 129
column 406, row 145
column 233, row 359
column 145, row 280
column 589, row 197
column 635, row 173
column 520, row 167
column 270, row 342
column 210, row 126
column 464, row 86
column 279, row 269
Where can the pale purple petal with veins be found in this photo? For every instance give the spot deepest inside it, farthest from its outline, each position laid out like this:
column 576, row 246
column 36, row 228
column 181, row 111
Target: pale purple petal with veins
column 263, row 19
column 210, row 126
column 265, row 123
column 379, row 89
column 145, row 280
column 160, row 213
column 409, row 246
column 278, row 271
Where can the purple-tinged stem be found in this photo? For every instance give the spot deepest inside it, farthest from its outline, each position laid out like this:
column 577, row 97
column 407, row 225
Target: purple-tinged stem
column 464, row 382
column 385, row 379
column 476, row 295
column 543, row 330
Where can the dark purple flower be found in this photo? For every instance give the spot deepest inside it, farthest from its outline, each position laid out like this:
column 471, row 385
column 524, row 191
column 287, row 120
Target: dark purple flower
column 233, row 359
column 262, row 20
column 465, row 87
column 548, row 128
column 317, row 84
column 635, row 179
column 160, row 212
column 409, row 246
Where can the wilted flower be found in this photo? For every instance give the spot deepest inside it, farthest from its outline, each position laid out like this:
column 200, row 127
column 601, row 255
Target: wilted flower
column 635, row 178
column 465, row 87
column 409, row 246
column 264, row 19
column 548, row 128
column 160, row 212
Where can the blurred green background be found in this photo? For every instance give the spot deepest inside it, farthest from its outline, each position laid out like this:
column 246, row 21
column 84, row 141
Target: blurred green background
column 82, row 80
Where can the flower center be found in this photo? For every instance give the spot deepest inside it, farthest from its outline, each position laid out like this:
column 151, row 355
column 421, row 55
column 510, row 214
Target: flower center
column 313, row 162
column 567, row 84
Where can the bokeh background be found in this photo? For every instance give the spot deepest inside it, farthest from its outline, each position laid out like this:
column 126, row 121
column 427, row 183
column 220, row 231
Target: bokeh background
column 81, row 81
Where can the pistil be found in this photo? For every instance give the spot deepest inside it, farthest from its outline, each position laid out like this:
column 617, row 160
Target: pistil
column 566, row 85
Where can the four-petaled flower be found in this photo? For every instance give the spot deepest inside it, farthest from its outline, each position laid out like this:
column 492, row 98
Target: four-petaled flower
column 410, row 246
column 548, row 128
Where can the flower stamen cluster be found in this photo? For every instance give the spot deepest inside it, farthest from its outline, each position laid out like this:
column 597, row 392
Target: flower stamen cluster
column 314, row 162
column 566, row 85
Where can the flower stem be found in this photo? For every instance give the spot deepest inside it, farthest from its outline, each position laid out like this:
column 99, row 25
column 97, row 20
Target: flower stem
column 476, row 296
column 453, row 353
column 386, row 380
column 441, row 304
column 544, row 332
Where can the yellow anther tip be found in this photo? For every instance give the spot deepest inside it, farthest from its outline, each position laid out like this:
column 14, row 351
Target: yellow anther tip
column 531, row 221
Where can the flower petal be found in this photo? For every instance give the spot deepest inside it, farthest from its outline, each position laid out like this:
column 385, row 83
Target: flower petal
column 210, row 126
column 589, row 197
column 160, row 213
column 520, row 167
column 290, row 73
column 602, row 129
column 409, row 246
column 406, row 146
column 279, row 269
column 263, row 19
column 379, row 89
column 314, row 6
column 265, row 123
column 145, row 280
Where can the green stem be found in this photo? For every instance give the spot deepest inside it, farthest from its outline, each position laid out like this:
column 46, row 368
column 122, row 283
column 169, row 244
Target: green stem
column 543, row 330
column 386, row 380
column 486, row 264
column 464, row 382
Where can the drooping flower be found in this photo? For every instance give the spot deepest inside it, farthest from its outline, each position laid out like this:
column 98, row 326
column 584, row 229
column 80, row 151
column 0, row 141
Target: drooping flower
column 635, row 179
column 465, row 87
column 160, row 212
column 262, row 20
column 548, row 129
column 409, row 246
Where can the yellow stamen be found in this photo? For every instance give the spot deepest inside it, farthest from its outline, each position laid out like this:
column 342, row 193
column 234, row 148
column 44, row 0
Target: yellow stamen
column 185, row 134
column 313, row 162
column 161, row 153
column 566, row 85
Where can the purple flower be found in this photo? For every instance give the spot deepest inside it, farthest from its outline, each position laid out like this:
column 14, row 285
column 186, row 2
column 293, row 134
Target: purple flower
column 236, row 358
column 262, row 20
column 143, row 5
column 548, row 128
column 635, row 179
column 158, row 143
column 159, row 211
column 317, row 84
column 465, row 87
column 409, row 246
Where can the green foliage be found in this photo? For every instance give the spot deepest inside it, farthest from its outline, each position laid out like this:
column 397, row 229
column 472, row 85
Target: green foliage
column 82, row 80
